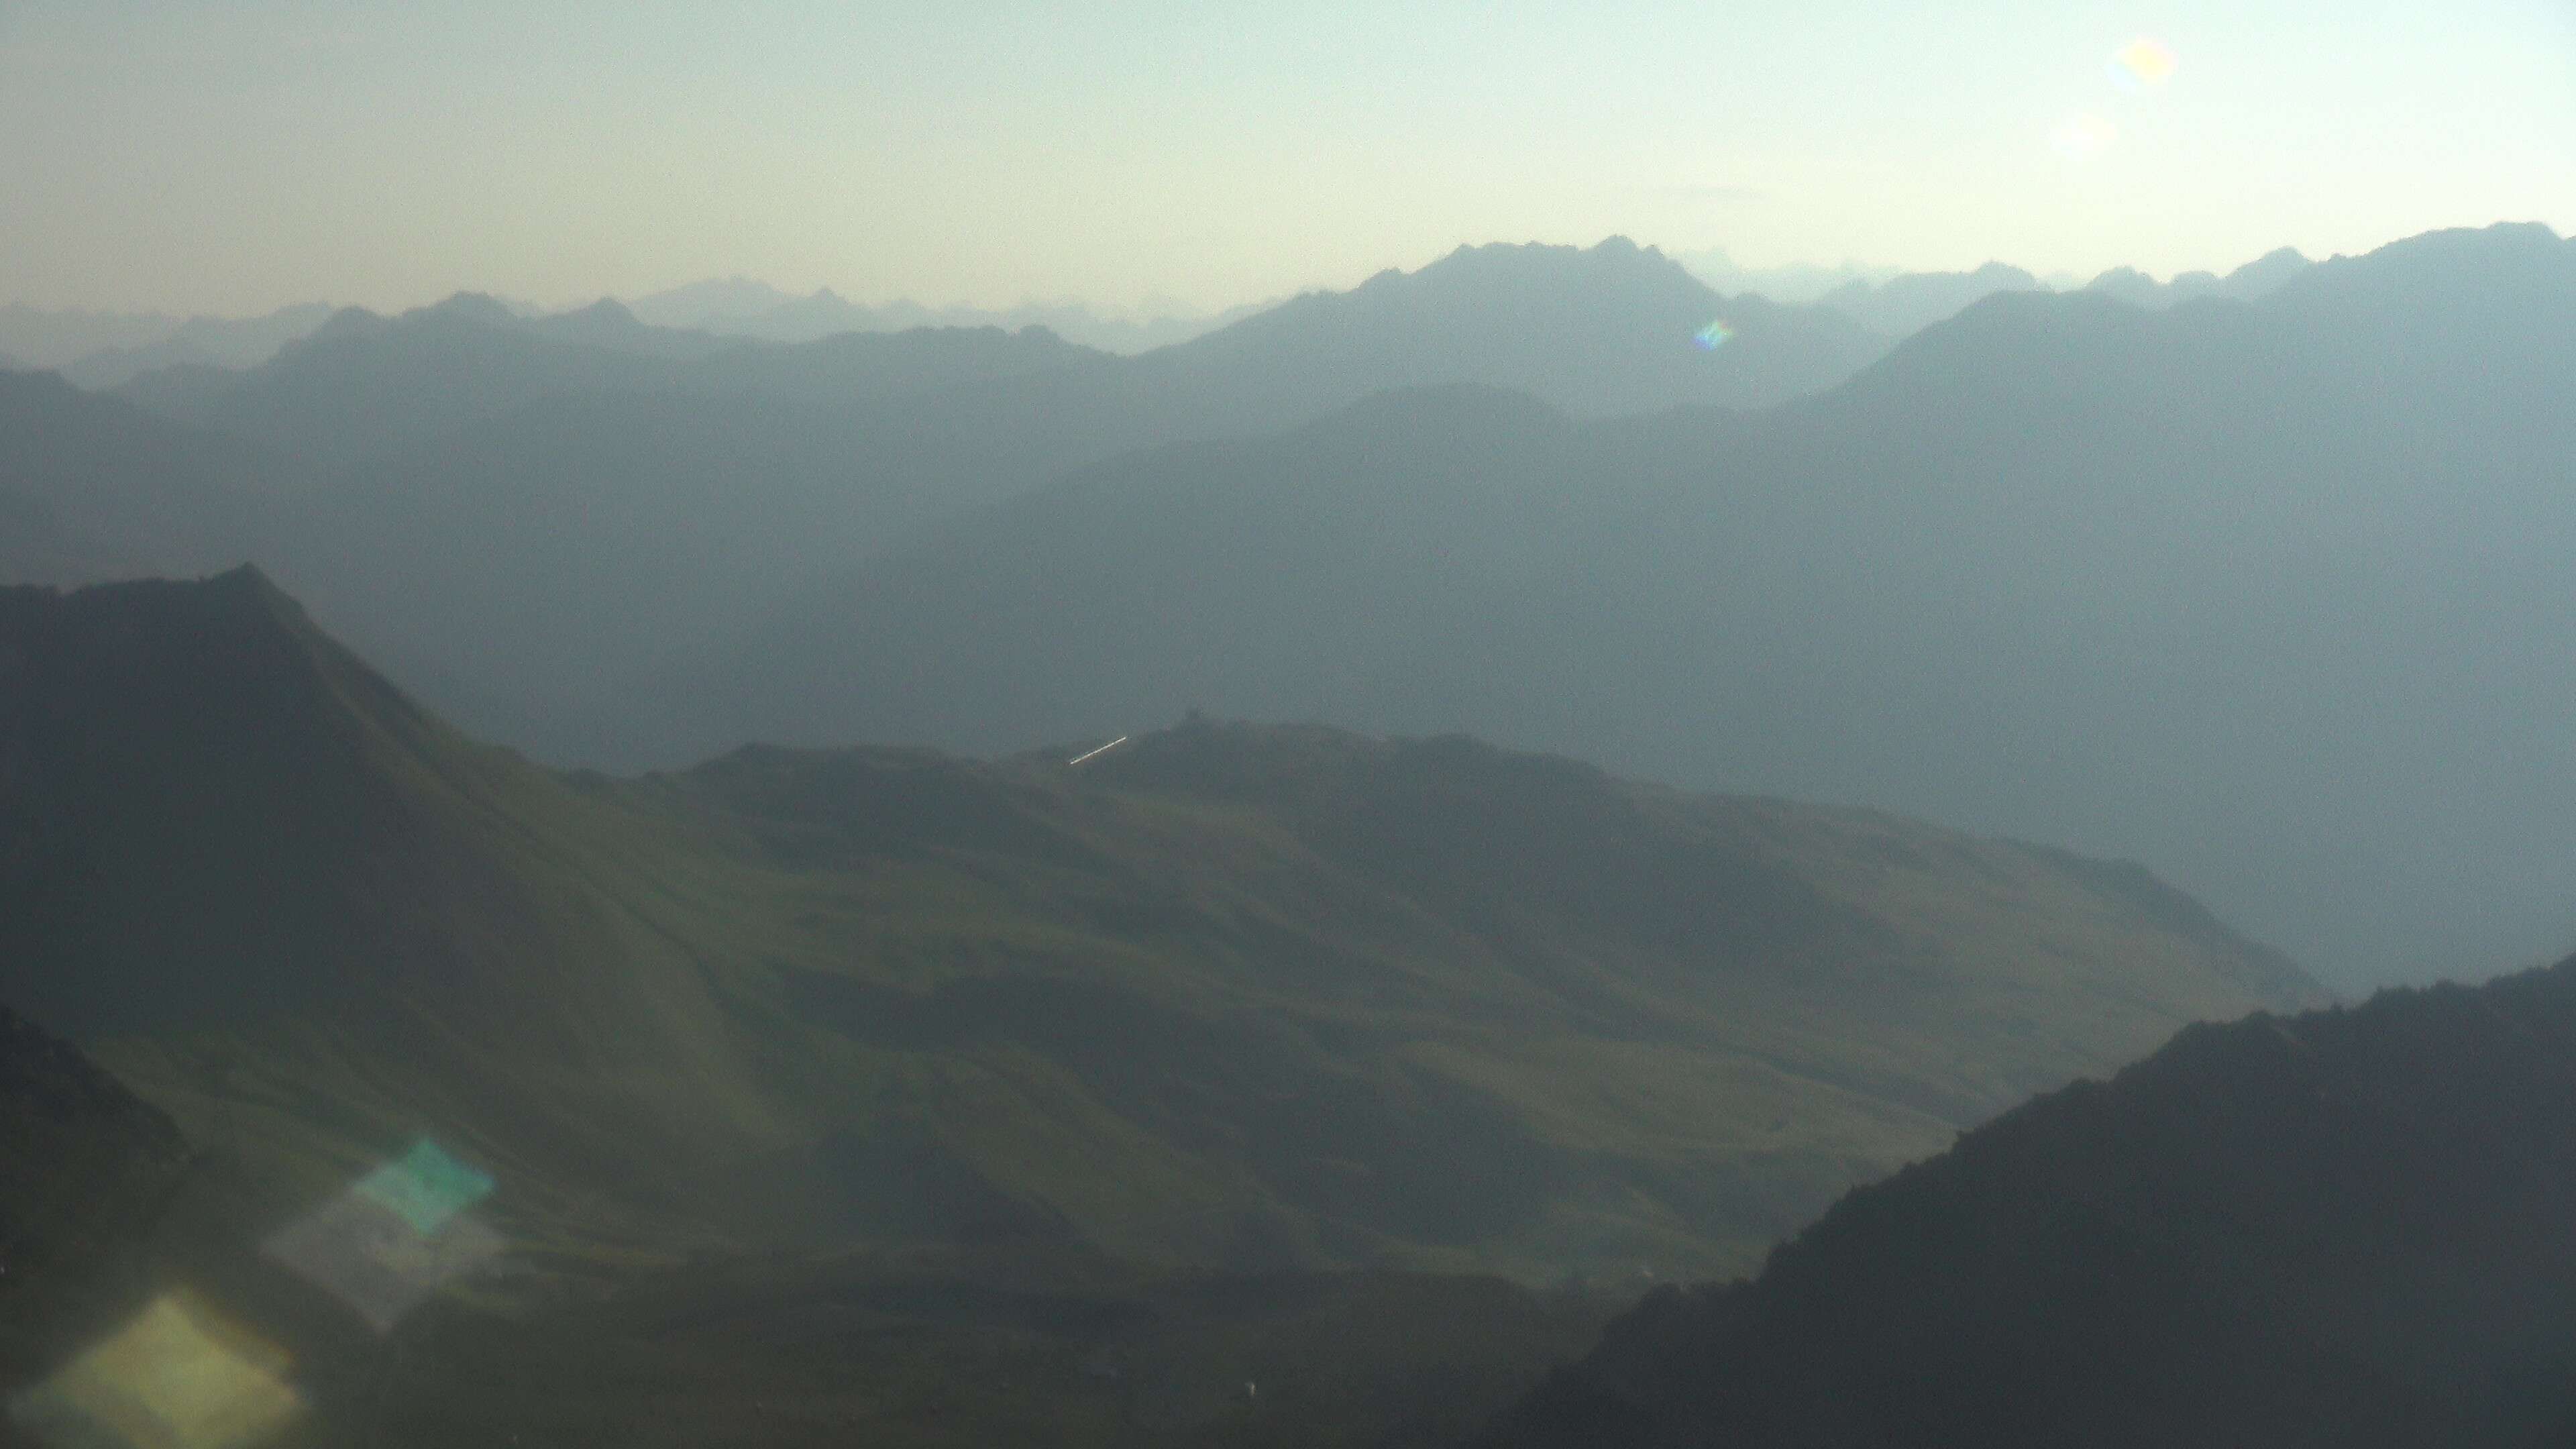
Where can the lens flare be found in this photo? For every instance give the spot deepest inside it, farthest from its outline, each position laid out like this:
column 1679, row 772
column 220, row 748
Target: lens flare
column 368, row 1257
column 427, row 1187
column 2084, row 135
column 390, row 1241
column 1713, row 336
column 180, row 1376
column 2142, row 65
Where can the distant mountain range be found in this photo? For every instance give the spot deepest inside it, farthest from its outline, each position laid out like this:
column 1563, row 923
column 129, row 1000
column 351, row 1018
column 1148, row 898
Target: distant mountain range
column 1224, row 996
column 1790, row 285
column 2157, row 582
column 1616, row 329
column 611, row 496
column 101, row 350
column 2354, row 1228
column 1897, row 304
column 738, row 307
column 2259, row 592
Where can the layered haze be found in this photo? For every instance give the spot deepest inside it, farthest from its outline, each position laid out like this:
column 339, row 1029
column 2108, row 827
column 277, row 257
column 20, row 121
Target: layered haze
column 1133, row 725
column 2246, row 577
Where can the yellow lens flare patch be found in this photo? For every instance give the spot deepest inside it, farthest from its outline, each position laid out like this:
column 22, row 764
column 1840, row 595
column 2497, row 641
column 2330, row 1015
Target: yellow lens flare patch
column 180, row 1376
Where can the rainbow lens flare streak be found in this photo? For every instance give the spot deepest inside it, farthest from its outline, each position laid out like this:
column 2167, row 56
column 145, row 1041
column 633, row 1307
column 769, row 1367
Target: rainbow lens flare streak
column 387, row 1243
column 1712, row 337
column 426, row 1187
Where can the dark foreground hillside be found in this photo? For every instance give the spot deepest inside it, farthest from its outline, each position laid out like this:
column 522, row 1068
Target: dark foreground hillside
column 2350, row 1228
column 145, row 1304
column 86, row 1170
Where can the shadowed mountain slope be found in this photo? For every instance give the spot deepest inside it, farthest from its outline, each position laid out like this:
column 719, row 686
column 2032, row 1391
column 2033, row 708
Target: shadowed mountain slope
column 1224, row 996
column 123, row 492
column 85, row 1160
column 514, row 513
column 2346, row 1228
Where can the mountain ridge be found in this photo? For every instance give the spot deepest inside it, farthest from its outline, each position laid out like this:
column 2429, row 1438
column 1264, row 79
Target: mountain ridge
column 1410, row 1002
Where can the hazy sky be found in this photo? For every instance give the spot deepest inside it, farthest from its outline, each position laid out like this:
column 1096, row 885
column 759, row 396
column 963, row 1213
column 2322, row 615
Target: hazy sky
column 230, row 155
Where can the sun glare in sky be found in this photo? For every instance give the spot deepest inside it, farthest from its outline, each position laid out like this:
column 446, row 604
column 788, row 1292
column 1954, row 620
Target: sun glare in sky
column 236, row 157
column 2142, row 65
column 2084, row 136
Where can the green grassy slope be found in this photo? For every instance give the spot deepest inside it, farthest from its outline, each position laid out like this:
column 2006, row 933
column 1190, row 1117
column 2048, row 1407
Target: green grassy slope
column 1228, row 997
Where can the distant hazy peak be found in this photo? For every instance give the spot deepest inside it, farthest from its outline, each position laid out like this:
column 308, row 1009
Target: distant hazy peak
column 2121, row 280
column 2281, row 262
column 700, row 304
column 351, row 322
column 1485, row 275
column 607, row 309
column 1533, row 257
column 481, row 308
column 606, row 320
